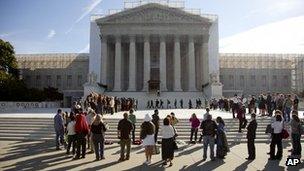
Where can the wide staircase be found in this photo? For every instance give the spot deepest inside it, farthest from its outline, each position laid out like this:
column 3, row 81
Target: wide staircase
column 30, row 129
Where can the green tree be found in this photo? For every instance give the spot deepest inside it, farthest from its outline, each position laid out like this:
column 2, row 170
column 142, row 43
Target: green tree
column 8, row 62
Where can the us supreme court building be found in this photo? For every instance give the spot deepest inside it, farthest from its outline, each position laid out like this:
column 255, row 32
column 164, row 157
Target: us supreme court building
column 155, row 47
column 162, row 47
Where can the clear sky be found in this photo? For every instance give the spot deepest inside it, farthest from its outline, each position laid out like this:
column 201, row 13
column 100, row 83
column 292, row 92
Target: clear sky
column 41, row 26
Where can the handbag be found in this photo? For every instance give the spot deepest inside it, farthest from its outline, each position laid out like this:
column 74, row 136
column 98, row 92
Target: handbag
column 268, row 129
column 175, row 147
column 285, row 134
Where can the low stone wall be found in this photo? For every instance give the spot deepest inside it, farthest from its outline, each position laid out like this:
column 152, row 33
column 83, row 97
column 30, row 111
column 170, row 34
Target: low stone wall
column 28, row 105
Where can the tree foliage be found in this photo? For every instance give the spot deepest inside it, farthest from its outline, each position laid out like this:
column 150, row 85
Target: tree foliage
column 14, row 89
column 8, row 62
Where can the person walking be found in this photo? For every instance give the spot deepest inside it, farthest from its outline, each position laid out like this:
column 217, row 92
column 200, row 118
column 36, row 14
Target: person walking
column 221, row 141
column 90, row 117
column 81, row 129
column 155, row 121
column 242, row 119
column 296, row 131
column 124, row 129
column 251, row 131
column 288, row 103
column 98, row 129
column 59, row 129
column 147, row 135
column 276, row 140
column 195, row 123
column 168, row 134
column 208, row 127
column 71, row 134
column 132, row 118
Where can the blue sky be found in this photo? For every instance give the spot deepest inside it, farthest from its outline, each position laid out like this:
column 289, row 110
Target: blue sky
column 36, row 26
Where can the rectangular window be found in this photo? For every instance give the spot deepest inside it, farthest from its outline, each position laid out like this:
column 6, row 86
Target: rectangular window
column 264, row 80
column 58, row 81
column 252, row 81
column 274, row 81
column 38, row 81
column 242, row 80
column 28, row 80
column 231, row 81
column 285, row 81
column 69, row 81
column 221, row 78
column 79, row 80
column 48, row 80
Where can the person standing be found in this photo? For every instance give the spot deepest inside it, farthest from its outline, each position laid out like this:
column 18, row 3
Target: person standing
column 174, row 119
column 181, row 103
column 59, row 129
column 175, row 103
column 168, row 135
column 81, row 129
column 190, row 104
column 235, row 105
column 241, row 116
column 71, row 134
column 98, row 129
column 124, row 129
column 209, row 128
column 288, row 103
column 269, row 104
column 132, row 118
column 296, row 131
column 147, row 135
column 90, row 117
column 221, row 140
column 155, row 121
column 195, row 123
column 276, row 140
column 296, row 103
column 251, row 131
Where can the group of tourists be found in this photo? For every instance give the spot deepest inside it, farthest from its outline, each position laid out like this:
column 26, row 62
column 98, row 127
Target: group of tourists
column 86, row 129
column 166, row 104
column 107, row 104
column 80, row 129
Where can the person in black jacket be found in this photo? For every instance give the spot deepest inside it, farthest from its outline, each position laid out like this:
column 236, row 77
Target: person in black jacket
column 155, row 121
column 251, row 130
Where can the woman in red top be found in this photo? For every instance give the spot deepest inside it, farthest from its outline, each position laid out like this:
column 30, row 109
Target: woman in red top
column 195, row 122
column 81, row 129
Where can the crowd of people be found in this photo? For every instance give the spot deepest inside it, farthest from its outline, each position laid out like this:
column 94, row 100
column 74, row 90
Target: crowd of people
column 86, row 129
column 162, row 104
column 102, row 104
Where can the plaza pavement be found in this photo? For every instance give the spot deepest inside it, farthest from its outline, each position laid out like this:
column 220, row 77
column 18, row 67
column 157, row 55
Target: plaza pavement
column 43, row 156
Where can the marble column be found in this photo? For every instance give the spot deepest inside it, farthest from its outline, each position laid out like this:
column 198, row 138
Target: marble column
column 162, row 64
column 191, row 65
column 146, row 62
column 205, row 59
column 132, row 64
column 117, row 80
column 104, row 60
column 177, row 64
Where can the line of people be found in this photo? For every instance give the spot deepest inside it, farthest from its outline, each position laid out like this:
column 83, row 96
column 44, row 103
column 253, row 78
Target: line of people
column 161, row 104
column 82, row 129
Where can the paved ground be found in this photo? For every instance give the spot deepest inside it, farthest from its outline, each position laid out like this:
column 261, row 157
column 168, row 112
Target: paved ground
column 180, row 113
column 43, row 156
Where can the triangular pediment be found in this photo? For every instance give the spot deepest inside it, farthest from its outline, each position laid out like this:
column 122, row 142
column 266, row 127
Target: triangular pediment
column 153, row 13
